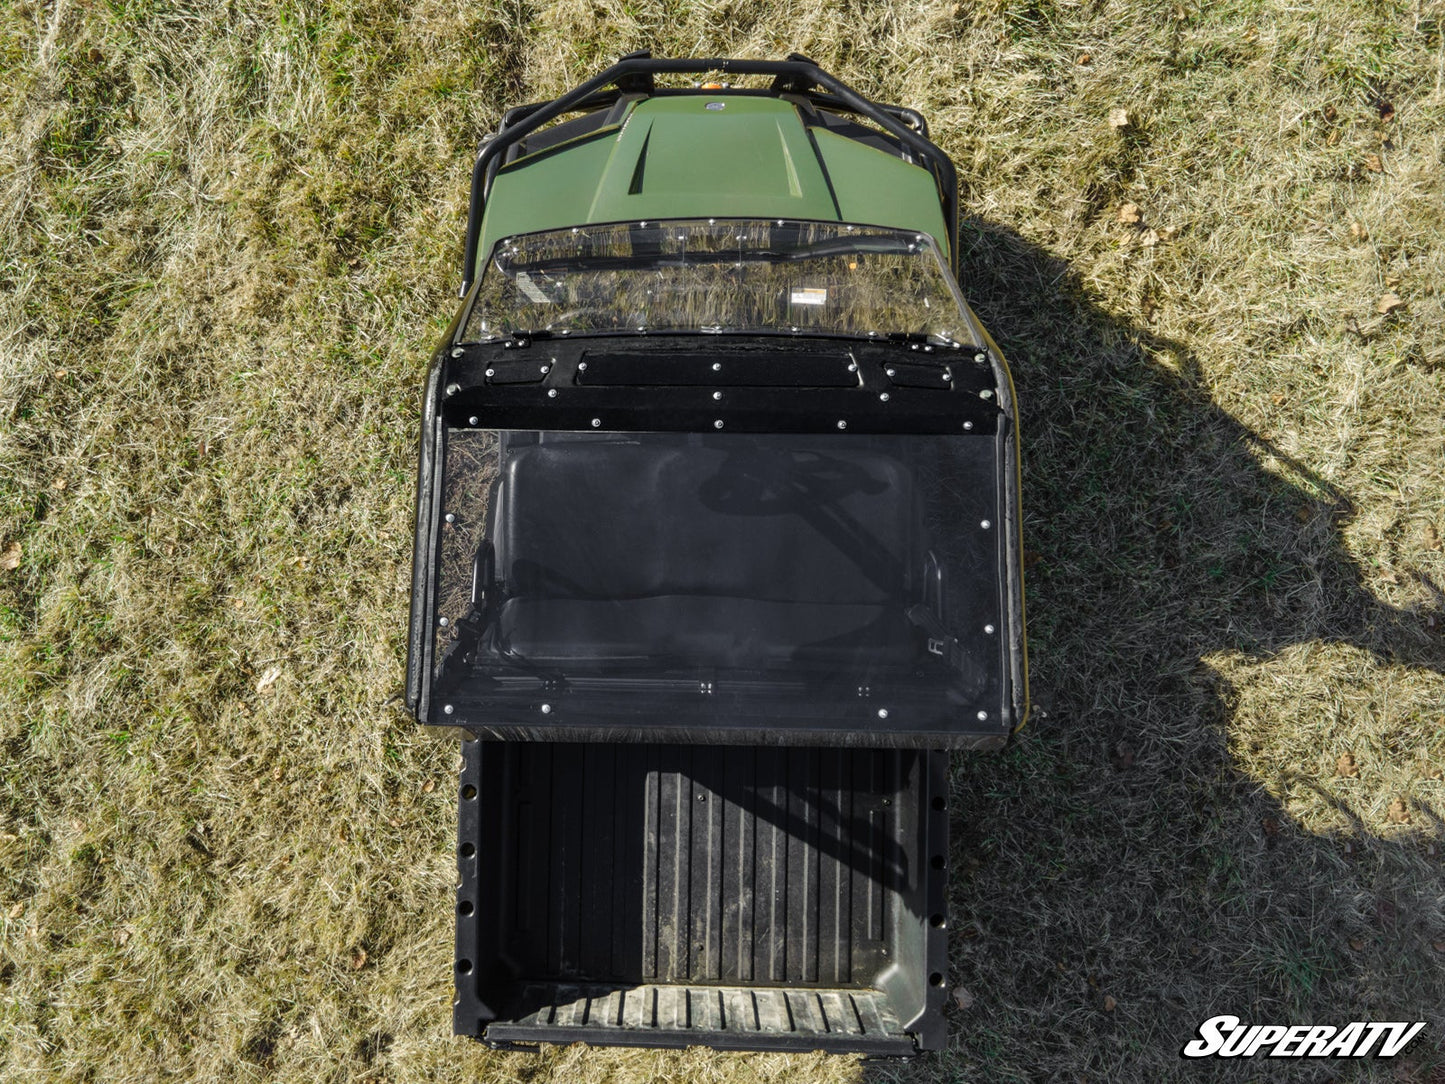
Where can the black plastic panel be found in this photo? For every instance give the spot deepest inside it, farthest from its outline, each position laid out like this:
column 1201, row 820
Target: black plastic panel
column 678, row 895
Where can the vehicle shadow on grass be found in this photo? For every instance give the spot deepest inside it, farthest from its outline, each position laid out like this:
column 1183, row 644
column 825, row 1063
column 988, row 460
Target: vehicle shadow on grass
column 1118, row 877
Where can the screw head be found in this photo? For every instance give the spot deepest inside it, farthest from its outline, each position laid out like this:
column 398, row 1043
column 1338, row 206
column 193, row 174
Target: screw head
column 717, row 424
column 451, row 517
column 716, row 395
column 980, row 358
column 443, row 622
column 882, row 713
column 447, row 709
column 988, row 629
column 581, row 366
column 546, row 709
column 473, row 420
column 985, row 524
column 967, row 425
column 842, row 424
column 596, row 423
column 452, row 389
column 982, row 716
column 883, row 395
column 551, row 393
column 717, row 366
column 491, row 372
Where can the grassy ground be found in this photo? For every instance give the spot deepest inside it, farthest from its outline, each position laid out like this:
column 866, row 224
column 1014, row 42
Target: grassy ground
column 228, row 239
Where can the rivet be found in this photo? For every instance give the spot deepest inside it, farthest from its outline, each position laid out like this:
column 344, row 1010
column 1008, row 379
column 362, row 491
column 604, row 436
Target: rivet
column 546, row 709
column 717, row 395
column 968, row 425
column 852, row 366
column 551, row 393
column 546, row 369
column 451, row 517
column 491, row 372
column 452, row 389
column 842, row 424
column 882, row 713
column 443, row 622
column 581, row 366
column 717, row 366
column 596, row 423
column 985, row 524
column 474, row 420
column 447, row 709
column 982, row 716
column 988, row 629
column 712, row 222
column 883, row 395
column 456, row 351
column 891, row 372
column 717, row 424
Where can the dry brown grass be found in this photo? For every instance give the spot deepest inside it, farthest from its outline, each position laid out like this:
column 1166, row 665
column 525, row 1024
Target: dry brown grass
column 228, row 239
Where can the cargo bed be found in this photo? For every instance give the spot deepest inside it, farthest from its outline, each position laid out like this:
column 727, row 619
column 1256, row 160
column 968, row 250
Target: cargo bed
column 670, row 895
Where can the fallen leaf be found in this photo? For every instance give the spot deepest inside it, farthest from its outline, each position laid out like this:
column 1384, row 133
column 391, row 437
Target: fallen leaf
column 1128, row 213
column 268, row 679
column 1438, row 946
column 1118, row 117
column 10, row 559
column 61, row 374
column 1358, row 231
column 1346, row 765
column 1085, row 59
column 358, row 959
column 1279, row 398
column 1109, row 1003
column 1387, row 111
column 1398, row 812
column 59, row 485
column 1432, row 537
column 1330, row 112
column 962, row 998
column 429, row 786
column 277, row 773
column 1386, row 912
column 1356, row 944
column 16, row 911
column 1389, row 303
column 121, row 936
column 1304, row 513
column 1149, row 238
column 1373, row 163
column 1271, row 826
column 1031, row 558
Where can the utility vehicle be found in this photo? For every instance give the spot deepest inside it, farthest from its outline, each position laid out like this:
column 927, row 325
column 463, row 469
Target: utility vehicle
column 717, row 556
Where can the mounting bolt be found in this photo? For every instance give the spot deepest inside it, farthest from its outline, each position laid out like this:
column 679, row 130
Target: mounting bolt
column 985, row 523
column 983, row 716
column 452, row 389
column 551, row 393
column 546, row 709
column 982, row 359
column 491, row 372
column 456, row 351
column 443, row 622
column 852, row 366
column 842, row 424
column 447, row 709
column 716, row 395
column 985, row 394
column 581, row 366
column 968, row 425
column 596, row 423
column 890, row 372
column 474, row 420
column 717, row 424
column 883, row 395
column 450, row 517
column 988, row 629
column 717, row 366
column 546, row 369
column 882, row 713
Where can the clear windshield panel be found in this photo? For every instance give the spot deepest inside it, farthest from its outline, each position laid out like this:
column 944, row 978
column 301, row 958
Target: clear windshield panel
column 720, row 276
column 771, row 567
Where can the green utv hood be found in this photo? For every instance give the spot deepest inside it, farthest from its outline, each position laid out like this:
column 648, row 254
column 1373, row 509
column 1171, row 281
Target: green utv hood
column 695, row 156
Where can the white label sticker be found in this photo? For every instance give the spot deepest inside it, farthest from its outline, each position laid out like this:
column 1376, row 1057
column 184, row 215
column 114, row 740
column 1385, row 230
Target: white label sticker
column 808, row 295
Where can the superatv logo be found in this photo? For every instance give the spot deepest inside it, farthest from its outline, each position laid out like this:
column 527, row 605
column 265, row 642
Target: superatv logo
column 1227, row 1037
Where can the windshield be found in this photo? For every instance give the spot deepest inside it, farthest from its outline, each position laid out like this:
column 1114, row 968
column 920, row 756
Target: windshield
column 719, row 276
